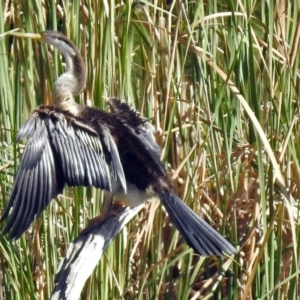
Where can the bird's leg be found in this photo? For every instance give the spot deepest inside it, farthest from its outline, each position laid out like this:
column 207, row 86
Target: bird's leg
column 110, row 208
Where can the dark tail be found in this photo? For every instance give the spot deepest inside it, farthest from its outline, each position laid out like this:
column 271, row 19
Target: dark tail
column 196, row 232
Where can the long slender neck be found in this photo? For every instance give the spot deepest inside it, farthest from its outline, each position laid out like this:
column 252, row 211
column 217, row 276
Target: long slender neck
column 70, row 83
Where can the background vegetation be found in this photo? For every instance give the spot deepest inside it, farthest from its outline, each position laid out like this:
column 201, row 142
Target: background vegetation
column 219, row 80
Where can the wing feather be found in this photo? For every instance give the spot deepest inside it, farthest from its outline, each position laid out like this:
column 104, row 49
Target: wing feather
column 59, row 150
column 117, row 172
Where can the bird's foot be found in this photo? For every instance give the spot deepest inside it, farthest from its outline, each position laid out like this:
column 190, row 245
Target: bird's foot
column 113, row 209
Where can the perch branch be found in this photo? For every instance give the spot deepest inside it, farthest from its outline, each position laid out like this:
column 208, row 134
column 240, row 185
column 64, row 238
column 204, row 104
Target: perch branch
column 85, row 252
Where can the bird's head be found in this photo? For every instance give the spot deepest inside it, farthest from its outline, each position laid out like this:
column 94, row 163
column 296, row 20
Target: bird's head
column 70, row 83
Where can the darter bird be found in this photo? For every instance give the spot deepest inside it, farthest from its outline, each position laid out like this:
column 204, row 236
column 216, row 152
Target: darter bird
column 77, row 145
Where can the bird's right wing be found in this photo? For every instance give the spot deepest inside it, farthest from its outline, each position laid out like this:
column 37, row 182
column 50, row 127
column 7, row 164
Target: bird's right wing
column 140, row 130
column 59, row 150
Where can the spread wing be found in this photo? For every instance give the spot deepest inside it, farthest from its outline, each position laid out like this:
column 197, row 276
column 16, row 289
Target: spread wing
column 140, row 130
column 59, row 151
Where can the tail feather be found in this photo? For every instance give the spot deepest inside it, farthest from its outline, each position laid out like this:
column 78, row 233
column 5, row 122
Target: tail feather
column 196, row 232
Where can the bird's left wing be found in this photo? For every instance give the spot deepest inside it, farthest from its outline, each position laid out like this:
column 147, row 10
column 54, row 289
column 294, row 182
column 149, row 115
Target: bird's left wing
column 59, row 150
column 37, row 180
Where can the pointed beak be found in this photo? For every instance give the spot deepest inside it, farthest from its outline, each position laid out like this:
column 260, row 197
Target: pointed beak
column 34, row 36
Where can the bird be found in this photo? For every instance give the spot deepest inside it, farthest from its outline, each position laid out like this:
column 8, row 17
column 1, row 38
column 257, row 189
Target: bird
column 78, row 145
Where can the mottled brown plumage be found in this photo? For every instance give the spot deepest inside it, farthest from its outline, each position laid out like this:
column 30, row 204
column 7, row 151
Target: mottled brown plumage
column 80, row 145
